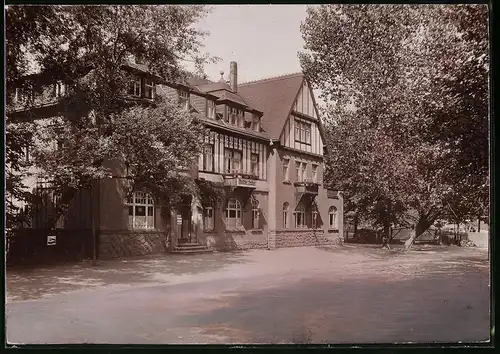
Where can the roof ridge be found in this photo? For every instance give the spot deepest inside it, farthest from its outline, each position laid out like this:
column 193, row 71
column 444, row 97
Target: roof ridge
column 271, row 78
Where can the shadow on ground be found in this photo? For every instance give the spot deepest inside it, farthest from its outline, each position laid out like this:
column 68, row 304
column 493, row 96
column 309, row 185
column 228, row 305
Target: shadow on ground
column 444, row 302
column 32, row 283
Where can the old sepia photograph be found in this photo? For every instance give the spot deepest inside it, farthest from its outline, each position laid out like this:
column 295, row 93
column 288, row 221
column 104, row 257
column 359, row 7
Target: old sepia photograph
column 247, row 174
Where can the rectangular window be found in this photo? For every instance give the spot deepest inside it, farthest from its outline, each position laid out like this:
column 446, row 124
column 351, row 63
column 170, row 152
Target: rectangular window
column 286, row 162
column 208, row 158
column 314, row 219
column 285, row 219
column 135, row 87
column 232, row 161
column 315, row 173
column 300, row 219
column 300, row 168
column 208, row 219
column 255, row 164
column 184, row 100
column 233, row 116
column 58, row 89
column 149, row 88
column 24, row 94
column 302, row 132
column 210, row 109
column 255, row 123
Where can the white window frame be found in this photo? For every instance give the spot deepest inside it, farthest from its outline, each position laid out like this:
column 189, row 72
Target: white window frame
column 211, row 109
column 233, row 116
column 333, row 222
column 255, row 214
column 149, row 84
column 286, row 207
column 208, row 218
column 300, row 213
column 254, row 164
column 300, row 168
column 255, row 123
column 233, row 207
column 136, row 201
column 303, row 131
column 315, row 173
column 208, row 158
column 184, row 99
column 286, row 168
column 135, row 88
column 230, row 159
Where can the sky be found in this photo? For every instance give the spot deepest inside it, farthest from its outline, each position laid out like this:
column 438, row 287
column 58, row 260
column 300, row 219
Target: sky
column 262, row 39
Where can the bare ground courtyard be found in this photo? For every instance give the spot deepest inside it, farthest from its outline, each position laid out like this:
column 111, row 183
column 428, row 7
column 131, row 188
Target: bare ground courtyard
column 350, row 294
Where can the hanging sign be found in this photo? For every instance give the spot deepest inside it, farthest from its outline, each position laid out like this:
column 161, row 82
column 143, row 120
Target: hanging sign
column 51, row 240
column 179, row 219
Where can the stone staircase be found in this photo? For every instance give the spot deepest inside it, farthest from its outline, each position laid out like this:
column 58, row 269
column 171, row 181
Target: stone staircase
column 191, row 248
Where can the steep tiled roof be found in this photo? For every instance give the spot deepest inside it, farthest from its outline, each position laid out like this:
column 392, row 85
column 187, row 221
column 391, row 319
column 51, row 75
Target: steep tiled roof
column 274, row 97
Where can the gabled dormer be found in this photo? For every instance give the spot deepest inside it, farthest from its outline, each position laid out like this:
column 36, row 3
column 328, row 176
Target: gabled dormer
column 290, row 112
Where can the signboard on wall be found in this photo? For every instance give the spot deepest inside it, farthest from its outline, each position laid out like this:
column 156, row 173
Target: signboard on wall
column 179, row 219
column 243, row 182
column 51, row 240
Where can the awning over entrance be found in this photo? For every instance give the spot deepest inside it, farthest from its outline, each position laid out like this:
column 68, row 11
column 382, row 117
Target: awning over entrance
column 305, row 192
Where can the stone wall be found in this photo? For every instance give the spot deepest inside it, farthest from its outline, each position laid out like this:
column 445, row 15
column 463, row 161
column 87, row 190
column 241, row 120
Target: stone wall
column 130, row 243
column 298, row 238
column 237, row 240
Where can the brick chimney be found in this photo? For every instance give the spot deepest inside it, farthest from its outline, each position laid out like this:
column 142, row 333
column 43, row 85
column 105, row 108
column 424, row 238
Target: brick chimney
column 233, row 76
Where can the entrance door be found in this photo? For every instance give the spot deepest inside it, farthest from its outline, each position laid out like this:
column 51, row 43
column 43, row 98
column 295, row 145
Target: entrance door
column 185, row 235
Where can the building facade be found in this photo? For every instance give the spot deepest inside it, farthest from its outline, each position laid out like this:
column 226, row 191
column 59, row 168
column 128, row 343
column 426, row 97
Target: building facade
column 263, row 153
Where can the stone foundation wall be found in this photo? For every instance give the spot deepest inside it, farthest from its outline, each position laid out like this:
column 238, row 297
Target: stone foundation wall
column 116, row 244
column 298, row 238
column 237, row 240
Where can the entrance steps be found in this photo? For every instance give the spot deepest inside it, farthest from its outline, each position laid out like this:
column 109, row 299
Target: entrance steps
column 191, row 248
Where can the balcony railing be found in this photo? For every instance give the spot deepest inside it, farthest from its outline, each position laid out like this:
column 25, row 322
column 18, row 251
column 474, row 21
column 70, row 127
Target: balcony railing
column 306, row 187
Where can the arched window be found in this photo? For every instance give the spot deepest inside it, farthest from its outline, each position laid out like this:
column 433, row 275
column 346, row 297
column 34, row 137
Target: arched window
column 255, row 213
column 300, row 216
column 332, row 218
column 233, row 213
column 285, row 215
column 314, row 216
column 140, row 211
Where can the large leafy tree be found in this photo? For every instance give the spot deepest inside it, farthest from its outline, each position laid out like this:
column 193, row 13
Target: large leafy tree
column 87, row 46
column 406, row 91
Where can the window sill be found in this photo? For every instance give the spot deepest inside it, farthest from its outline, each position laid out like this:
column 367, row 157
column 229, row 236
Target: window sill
column 302, row 142
column 235, row 231
column 333, row 231
column 257, row 231
column 287, row 182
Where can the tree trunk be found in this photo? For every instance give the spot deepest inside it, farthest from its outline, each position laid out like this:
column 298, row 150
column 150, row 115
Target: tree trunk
column 417, row 230
column 478, row 224
column 355, row 226
column 386, row 237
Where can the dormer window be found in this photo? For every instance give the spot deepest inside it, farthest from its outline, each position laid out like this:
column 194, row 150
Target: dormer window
column 135, row 87
column 233, row 116
column 210, row 109
column 255, row 123
column 184, row 99
column 149, row 89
